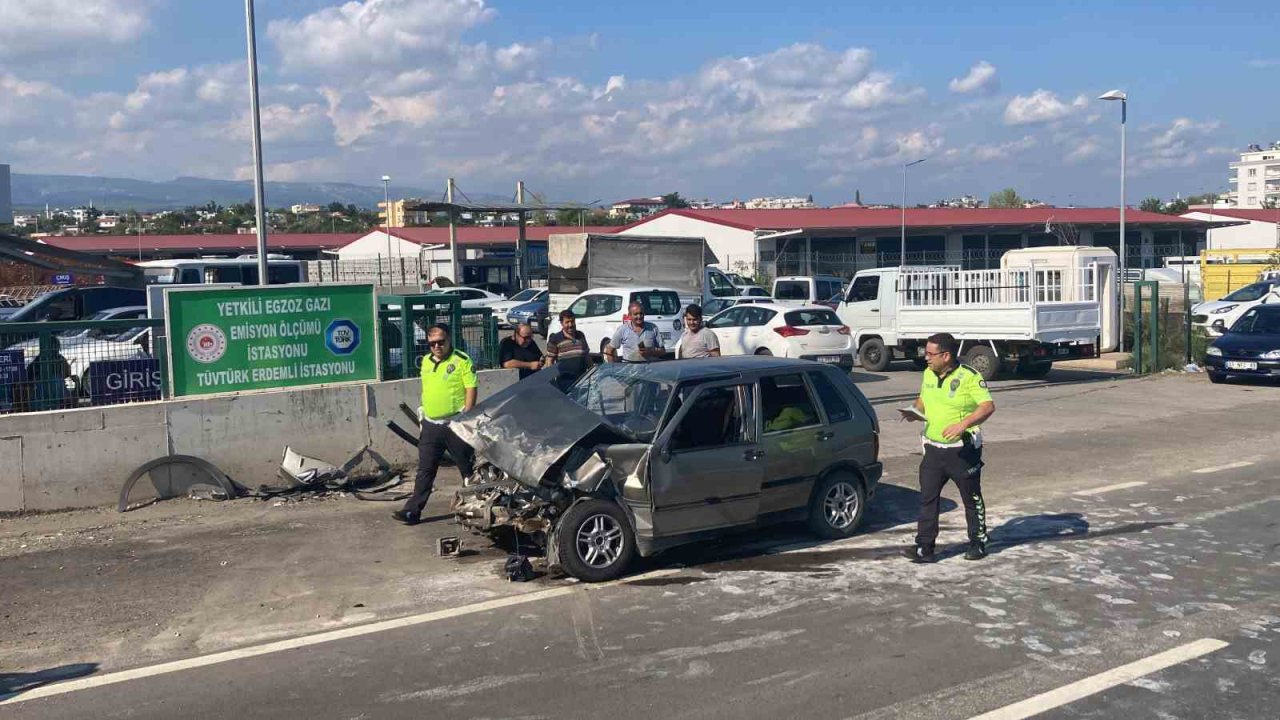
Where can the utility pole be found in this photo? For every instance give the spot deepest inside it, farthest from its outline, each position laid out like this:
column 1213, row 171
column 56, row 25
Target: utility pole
column 259, row 199
column 453, row 234
column 522, row 268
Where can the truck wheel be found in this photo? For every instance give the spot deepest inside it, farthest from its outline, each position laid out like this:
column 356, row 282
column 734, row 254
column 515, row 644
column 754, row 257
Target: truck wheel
column 873, row 355
column 595, row 541
column 983, row 359
column 837, row 505
column 1034, row 370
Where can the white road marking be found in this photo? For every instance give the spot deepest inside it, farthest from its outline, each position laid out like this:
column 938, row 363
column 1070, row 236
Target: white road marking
column 1220, row 468
column 309, row 640
column 1103, row 681
column 1109, row 488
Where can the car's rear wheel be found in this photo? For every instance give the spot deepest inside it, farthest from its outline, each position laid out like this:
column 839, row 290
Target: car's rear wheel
column 595, row 541
column 837, row 505
column 873, row 355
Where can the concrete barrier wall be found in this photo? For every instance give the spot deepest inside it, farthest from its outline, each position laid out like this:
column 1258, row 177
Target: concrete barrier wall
column 80, row 458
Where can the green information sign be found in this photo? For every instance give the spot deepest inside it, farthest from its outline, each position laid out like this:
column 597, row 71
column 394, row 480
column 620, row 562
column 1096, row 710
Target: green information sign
column 256, row 338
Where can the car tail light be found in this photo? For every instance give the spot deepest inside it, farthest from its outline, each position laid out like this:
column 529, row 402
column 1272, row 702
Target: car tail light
column 787, row 331
column 844, row 330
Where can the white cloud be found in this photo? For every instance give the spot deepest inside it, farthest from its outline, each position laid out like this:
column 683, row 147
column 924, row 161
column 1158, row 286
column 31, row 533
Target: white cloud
column 1183, row 143
column 357, row 37
column 1083, row 150
column 980, row 79
column 878, row 90
column 1264, row 63
column 1040, row 106
column 39, row 28
column 990, row 152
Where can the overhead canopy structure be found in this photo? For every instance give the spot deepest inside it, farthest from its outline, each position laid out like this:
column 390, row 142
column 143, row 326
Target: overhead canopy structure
column 57, row 259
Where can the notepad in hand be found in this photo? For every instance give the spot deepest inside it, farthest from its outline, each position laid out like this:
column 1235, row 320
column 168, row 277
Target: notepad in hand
column 910, row 413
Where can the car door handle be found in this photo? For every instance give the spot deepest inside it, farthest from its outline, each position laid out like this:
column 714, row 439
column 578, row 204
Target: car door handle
column 875, row 309
column 822, row 435
column 753, row 454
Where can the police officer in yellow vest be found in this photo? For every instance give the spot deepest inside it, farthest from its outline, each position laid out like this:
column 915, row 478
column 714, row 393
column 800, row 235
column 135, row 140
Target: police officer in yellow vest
column 955, row 402
column 448, row 388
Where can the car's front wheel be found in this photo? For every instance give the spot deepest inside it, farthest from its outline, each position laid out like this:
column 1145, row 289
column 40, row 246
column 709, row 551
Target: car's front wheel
column 595, row 541
column 837, row 505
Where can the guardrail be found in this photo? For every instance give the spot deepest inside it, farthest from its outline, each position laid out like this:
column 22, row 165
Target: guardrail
column 64, row 365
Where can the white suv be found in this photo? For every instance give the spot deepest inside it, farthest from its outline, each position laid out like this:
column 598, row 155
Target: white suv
column 599, row 312
column 1216, row 316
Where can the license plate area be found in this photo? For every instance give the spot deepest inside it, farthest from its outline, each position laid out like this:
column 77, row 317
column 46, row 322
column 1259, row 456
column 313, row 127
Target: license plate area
column 1241, row 365
column 829, row 359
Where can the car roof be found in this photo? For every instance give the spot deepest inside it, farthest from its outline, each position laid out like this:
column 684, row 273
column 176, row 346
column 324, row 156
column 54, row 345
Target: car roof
column 727, row 365
column 810, row 277
column 779, row 307
column 621, row 289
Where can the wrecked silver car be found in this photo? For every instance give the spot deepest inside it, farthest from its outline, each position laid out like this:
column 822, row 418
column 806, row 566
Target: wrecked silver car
column 641, row 458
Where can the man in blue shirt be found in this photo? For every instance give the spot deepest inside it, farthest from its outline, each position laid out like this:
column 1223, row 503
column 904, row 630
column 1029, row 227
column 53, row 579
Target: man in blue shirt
column 635, row 341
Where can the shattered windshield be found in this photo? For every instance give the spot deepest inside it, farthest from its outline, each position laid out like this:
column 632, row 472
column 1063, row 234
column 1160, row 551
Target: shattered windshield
column 630, row 403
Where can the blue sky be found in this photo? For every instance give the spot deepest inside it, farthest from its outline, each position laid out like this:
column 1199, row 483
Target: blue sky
column 586, row 100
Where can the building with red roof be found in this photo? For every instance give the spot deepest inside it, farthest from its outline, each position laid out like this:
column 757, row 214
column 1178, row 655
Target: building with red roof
column 302, row 246
column 840, row 241
column 1253, row 228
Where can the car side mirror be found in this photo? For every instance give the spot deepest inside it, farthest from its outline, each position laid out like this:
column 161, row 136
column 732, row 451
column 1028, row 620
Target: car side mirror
column 665, row 454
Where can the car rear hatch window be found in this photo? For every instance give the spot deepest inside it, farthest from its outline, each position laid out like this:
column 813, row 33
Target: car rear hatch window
column 809, row 318
column 791, row 290
column 658, row 302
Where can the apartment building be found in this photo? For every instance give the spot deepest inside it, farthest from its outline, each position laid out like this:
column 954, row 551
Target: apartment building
column 1256, row 179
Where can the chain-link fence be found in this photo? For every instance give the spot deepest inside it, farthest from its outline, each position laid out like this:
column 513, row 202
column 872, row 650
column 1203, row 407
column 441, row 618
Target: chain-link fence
column 474, row 331
column 63, row 365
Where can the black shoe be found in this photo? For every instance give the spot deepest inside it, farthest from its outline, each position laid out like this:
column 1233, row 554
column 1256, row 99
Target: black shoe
column 407, row 517
column 977, row 551
column 919, row 554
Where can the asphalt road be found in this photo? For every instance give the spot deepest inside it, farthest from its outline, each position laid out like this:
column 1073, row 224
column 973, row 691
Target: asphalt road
column 1159, row 536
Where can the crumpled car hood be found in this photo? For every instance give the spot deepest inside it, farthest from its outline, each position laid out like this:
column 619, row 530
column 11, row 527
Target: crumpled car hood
column 525, row 429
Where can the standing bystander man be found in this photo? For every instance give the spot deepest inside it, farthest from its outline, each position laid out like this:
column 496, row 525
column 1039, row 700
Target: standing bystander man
column 697, row 341
column 568, row 351
column 954, row 401
column 635, row 340
column 448, row 389
column 520, row 352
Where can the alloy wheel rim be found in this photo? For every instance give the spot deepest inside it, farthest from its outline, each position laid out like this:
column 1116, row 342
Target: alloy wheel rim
column 841, row 505
column 599, row 541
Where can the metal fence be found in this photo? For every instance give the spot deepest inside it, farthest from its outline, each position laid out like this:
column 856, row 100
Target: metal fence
column 474, row 331
column 382, row 271
column 63, row 365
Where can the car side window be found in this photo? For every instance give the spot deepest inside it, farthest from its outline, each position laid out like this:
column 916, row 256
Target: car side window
column 190, row 276
column 832, row 401
column 716, row 419
column 864, row 288
column 732, row 318
column 756, row 316
column 785, row 403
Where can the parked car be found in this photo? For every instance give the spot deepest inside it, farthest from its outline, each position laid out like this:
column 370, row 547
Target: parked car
column 599, row 312
column 1215, row 316
column 77, row 303
column 31, row 347
column 1249, row 348
column 115, row 345
column 809, row 332
column 533, row 312
column 721, row 304
column 504, row 308
column 643, row 458
column 806, row 290
column 473, row 297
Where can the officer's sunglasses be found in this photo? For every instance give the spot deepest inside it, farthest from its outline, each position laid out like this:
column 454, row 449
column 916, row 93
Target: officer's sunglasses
column 434, row 343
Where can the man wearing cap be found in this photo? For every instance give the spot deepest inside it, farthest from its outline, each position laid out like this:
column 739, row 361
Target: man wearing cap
column 448, row 389
column 955, row 402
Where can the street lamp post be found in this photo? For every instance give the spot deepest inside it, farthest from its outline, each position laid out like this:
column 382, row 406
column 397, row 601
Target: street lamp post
column 902, row 248
column 1124, row 116
column 386, row 219
column 259, row 199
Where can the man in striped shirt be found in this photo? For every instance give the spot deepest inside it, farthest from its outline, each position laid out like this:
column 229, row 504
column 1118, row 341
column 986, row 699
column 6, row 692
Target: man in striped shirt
column 568, row 351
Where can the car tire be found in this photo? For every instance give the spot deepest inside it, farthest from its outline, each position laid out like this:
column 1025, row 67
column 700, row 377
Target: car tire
column 595, row 541
column 983, row 359
column 838, row 503
column 1217, row 377
column 873, row 355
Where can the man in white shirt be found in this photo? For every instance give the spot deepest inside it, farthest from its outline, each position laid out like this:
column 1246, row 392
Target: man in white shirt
column 697, row 341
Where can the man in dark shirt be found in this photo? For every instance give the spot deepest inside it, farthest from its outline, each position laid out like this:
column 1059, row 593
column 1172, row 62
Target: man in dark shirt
column 520, row 352
column 568, row 350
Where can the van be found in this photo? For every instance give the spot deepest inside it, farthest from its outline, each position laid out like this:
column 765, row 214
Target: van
column 806, row 289
column 281, row 270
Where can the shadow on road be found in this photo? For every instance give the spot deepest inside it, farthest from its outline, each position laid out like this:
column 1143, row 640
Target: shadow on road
column 1055, row 527
column 14, row 684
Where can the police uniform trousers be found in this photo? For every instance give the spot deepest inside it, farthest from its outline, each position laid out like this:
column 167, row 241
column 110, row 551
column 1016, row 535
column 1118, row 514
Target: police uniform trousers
column 963, row 466
column 432, row 442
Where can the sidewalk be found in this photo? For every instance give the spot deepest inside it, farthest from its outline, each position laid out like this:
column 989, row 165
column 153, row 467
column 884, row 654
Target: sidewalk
column 1108, row 361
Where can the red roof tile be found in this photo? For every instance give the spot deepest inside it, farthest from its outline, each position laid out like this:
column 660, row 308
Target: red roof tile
column 200, row 243
column 470, row 235
column 1243, row 214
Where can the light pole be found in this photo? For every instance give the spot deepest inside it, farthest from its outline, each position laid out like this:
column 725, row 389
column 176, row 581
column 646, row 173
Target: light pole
column 259, row 201
column 1124, row 116
column 902, row 248
column 386, row 219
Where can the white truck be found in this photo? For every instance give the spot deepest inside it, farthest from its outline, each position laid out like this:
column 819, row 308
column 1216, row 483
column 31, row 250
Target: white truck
column 1041, row 305
column 578, row 262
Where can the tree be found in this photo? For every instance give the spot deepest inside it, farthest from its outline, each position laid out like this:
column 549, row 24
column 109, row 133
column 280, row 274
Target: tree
column 1152, row 204
column 673, row 200
column 1006, row 198
column 1176, row 207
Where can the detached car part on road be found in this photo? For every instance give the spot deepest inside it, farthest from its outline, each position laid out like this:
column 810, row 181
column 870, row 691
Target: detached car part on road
column 637, row 458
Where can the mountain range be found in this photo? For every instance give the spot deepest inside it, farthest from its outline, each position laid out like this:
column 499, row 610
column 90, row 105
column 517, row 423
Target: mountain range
column 31, row 192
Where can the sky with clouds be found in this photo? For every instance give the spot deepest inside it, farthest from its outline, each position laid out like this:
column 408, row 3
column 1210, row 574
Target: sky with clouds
column 592, row 101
